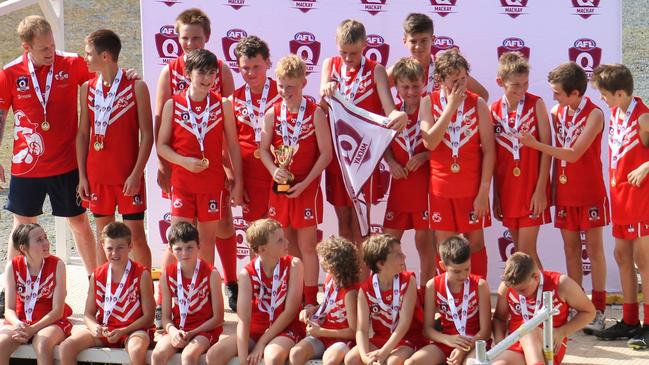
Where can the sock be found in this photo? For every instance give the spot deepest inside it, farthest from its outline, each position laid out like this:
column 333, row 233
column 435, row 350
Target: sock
column 227, row 249
column 599, row 300
column 479, row 263
column 631, row 313
column 645, row 320
column 311, row 294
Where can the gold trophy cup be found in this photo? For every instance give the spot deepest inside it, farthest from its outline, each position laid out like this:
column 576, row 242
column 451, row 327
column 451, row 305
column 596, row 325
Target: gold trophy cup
column 283, row 158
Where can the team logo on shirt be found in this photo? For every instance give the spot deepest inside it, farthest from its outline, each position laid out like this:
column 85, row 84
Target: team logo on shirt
column 513, row 8
column 60, row 76
column 586, row 54
column 424, row 215
column 22, row 83
column 240, row 226
column 184, row 116
column 178, row 203
column 373, row 6
column 443, row 7
column 28, row 143
column 562, row 213
column 272, row 212
column 377, row 50
column 137, row 199
column 304, row 5
column 308, row 213
column 506, row 246
column 514, row 44
column 593, row 214
column 305, row 45
column 473, row 218
column 236, row 4
column 212, row 206
column 436, row 217
column 585, row 8
column 229, row 43
column 389, row 216
column 167, row 44
column 442, row 43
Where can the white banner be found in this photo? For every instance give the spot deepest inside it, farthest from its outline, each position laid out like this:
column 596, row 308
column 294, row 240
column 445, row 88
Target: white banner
column 550, row 32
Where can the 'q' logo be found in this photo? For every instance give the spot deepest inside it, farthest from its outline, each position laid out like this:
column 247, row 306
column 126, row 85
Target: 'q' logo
column 514, row 44
column 443, row 7
column 513, row 8
column 377, row 50
column 354, row 149
column 586, row 54
column 442, row 43
column 585, row 8
column 305, row 45
column 167, row 43
column 229, row 42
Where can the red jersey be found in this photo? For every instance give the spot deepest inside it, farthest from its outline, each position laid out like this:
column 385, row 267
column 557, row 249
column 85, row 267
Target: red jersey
column 473, row 310
column 585, row 185
column 38, row 152
column 307, row 152
column 336, row 317
column 550, row 283
column 415, row 186
column 367, row 94
column 629, row 203
column 200, row 299
column 255, row 174
column 45, row 292
column 113, row 164
column 466, row 182
column 185, row 143
column 261, row 299
column 380, row 315
column 516, row 191
column 178, row 82
column 129, row 306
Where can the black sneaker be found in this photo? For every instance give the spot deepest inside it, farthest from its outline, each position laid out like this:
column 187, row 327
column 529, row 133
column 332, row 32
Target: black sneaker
column 158, row 317
column 641, row 340
column 2, row 303
column 619, row 331
column 232, row 292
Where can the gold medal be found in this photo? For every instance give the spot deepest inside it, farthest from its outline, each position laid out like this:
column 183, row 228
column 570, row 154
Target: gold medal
column 613, row 182
column 45, row 126
column 563, row 179
column 257, row 153
column 98, row 146
column 205, row 161
column 455, row 167
column 105, row 332
column 516, row 171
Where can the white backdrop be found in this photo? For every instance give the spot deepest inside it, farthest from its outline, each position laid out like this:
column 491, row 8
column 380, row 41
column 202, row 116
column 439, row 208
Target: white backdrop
column 549, row 31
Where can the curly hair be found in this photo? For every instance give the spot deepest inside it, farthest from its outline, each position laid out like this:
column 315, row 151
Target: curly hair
column 450, row 63
column 340, row 257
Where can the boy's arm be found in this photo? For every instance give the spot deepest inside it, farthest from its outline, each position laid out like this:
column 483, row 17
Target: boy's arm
column 484, row 307
column 83, row 136
column 570, row 292
column 430, row 308
column 58, row 302
column 362, row 326
column 163, row 93
column 488, row 146
column 405, row 319
column 476, row 87
column 398, row 119
column 227, row 81
column 163, row 144
column 328, row 86
column 167, row 304
column 501, row 315
column 232, row 140
column 244, row 310
column 10, row 296
column 397, row 171
column 142, row 100
column 389, row 72
column 539, row 199
column 217, row 306
column 90, row 312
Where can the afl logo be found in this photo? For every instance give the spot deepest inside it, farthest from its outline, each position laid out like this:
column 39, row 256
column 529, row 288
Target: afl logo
column 514, row 44
column 305, row 45
column 167, row 43
column 229, row 43
column 377, row 50
column 586, row 54
column 442, row 43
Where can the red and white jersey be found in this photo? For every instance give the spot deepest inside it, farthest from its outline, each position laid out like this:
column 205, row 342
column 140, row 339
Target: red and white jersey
column 36, row 152
column 629, row 203
column 254, row 170
column 129, row 306
column 185, row 143
column 550, row 283
column 178, row 82
column 260, row 319
column 200, row 299
column 336, row 317
column 585, row 185
column 45, row 291
column 367, row 95
column 516, row 191
column 113, row 164
column 415, row 186
column 443, row 182
column 308, row 152
column 473, row 310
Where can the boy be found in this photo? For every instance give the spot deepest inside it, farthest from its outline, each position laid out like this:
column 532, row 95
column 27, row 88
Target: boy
column 298, row 123
column 269, row 301
column 628, row 156
column 463, row 301
column 119, row 307
column 387, row 303
column 521, row 186
column 580, row 194
column 520, row 296
column 196, row 320
column 364, row 83
column 251, row 102
column 114, row 141
column 418, row 37
column 456, row 127
column 408, row 161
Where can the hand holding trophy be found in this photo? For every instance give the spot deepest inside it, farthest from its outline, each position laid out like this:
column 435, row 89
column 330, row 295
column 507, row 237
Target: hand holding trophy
column 283, row 158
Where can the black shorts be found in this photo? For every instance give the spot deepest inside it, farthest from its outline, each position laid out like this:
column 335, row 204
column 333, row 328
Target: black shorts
column 27, row 195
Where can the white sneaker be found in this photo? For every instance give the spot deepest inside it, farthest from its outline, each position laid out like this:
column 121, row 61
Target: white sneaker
column 597, row 325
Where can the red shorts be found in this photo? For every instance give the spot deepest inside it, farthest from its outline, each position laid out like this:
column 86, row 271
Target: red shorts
column 337, row 193
column 301, row 212
column 122, row 340
column 406, row 220
column 582, row 218
column 630, row 232
column 212, row 336
column 295, row 331
column 105, row 198
column 558, row 356
column 64, row 324
column 528, row 221
column 257, row 206
column 455, row 215
column 203, row 206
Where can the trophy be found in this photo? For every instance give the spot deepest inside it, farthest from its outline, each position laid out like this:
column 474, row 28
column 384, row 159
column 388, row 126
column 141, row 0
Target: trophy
column 283, row 158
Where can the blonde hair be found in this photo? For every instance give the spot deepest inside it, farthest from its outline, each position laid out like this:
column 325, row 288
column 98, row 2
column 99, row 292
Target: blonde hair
column 512, row 63
column 259, row 231
column 33, row 26
column 350, row 31
column 291, row 66
column 407, row 68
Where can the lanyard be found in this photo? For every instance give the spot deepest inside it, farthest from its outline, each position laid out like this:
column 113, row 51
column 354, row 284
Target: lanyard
column 406, row 134
column 43, row 97
column 350, row 94
column 504, row 121
column 183, row 303
column 111, row 299
column 274, row 293
column 329, row 301
column 619, row 132
column 459, row 319
column 255, row 119
column 396, row 296
column 537, row 303
column 104, row 105
column 199, row 130
column 568, row 130
column 454, row 127
column 297, row 128
column 32, row 293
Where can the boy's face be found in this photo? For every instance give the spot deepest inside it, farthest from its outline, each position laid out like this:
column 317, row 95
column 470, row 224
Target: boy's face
column 203, row 79
column 277, row 245
column 410, row 91
column 351, row 53
column 612, row 99
column 515, row 86
column 94, row 60
column 459, row 78
column 191, row 37
column 396, row 260
column 559, row 95
column 528, row 287
column 457, row 273
column 290, row 89
column 253, row 69
column 116, row 250
column 419, row 44
column 42, row 49
column 185, row 251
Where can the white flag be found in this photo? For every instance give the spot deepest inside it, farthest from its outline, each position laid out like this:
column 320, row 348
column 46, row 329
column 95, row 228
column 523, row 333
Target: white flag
column 360, row 139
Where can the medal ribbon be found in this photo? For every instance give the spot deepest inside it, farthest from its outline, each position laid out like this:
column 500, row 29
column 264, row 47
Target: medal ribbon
column 350, row 94
column 42, row 97
column 104, row 105
column 569, row 130
column 454, row 127
column 199, row 130
column 255, row 119
column 396, row 296
column 32, row 293
column 512, row 131
column 405, row 134
column 431, row 76
column 537, row 304
column 183, row 304
column 617, row 139
column 459, row 319
column 275, row 289
column 292, row 140
column 111, row 299
column 329, row 301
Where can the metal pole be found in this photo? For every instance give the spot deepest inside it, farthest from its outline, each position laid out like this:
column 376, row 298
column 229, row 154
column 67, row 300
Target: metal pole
column 481, row 353
column 548, row 327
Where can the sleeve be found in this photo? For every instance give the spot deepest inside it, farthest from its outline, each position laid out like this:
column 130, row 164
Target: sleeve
column 81, row 70
column 5, row 91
